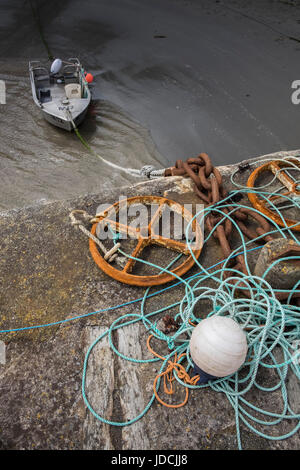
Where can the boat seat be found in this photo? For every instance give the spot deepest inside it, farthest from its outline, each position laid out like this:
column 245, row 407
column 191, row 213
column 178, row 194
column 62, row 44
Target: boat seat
column 42, row 81
column 40, row 78
column 73, row 90
column 44, row 95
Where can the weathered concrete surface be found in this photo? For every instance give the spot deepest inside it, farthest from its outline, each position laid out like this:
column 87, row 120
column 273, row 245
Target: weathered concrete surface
column 46, row 275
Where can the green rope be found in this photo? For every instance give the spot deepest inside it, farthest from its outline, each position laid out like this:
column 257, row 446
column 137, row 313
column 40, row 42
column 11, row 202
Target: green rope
column 129, row 171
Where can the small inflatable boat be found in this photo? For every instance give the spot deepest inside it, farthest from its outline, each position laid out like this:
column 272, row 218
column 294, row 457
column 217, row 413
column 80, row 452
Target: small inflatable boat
column 62, row 92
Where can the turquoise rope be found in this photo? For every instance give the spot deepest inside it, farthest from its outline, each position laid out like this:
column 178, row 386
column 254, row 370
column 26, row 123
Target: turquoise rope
column 261, row 307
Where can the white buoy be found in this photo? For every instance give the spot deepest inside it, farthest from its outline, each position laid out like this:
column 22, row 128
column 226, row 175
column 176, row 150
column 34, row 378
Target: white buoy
column 218, row 346
column 56, row 66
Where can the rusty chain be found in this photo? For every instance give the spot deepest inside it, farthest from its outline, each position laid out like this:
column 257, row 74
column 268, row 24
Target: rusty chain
column 208, row 186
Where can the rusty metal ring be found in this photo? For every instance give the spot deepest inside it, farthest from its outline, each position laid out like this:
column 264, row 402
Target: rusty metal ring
column 146, row 236
column 275, row 167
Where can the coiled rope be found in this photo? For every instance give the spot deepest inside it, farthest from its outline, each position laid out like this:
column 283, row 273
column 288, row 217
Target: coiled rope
column 263, row 317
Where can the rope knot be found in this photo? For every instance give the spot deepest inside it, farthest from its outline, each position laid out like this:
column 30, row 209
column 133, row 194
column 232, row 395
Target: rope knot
column 109, row 255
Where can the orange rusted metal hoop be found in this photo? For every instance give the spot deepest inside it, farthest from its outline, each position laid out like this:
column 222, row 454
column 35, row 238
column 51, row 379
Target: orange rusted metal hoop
column 146, row 236
column 275, row 167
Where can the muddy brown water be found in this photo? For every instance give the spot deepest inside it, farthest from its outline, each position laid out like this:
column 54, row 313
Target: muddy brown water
column 172, row 79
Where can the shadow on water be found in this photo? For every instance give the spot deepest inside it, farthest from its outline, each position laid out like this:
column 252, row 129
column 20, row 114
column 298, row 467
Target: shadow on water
column 92, row 120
